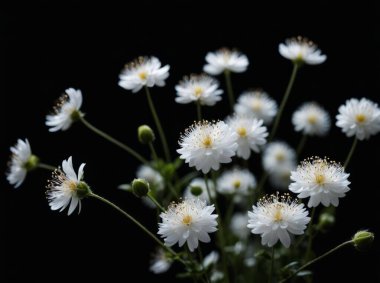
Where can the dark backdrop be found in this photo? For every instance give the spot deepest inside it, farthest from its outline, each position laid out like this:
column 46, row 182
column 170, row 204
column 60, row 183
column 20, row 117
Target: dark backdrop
column 49, row 48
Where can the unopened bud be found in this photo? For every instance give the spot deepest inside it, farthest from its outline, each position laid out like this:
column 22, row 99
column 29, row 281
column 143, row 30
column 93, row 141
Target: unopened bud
column 140, row 187
column 363, row 240
column 326, row 221
column 145, row 134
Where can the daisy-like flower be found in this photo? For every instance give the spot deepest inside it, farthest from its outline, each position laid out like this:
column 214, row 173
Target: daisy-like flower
column 251, row 134
column 188, row 221
column 225, row 60
column 144, row 71
column 277, row 156
column 160, row 262
column 22, row 161
column 66, row 111
column 311, row 119
column 207, row 144
column 66, row 187
column 322, row 180
column 301, row 50
column 257, row 104
column 200, row 88
column 153, row 177
column 238, row 181
column 360, row 118
column 200, row 183
column 238, row 225
column 276, row 218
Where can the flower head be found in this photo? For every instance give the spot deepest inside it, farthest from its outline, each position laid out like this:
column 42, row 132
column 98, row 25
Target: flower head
column 278, row 156
column 225, row 60
column 257, row 104
column 66, row 187
column 188, row 221
column 301, row 50
column 200, row 88
column 66, row 111
column 238, row 225
column 251, row 134
column 276, row 218
column 199, row 183
column 144, row 71
column 160, row 262
column 311, row 119
column 236, row 181
column 153, row 177
column 360, row 118
column 322, row 180
column 207, row 144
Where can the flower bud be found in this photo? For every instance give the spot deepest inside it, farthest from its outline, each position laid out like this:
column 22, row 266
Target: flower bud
column 145, row 134
column 140, row 187
column 363, row 240
column 326, row 221
column 83, row 190
column 196, row 190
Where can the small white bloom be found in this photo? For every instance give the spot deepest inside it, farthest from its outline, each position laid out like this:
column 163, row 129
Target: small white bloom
column 238, row 225
column 257, row 104
column 251, row 134
column 64, row 187
column 18, row 165
column 160, row 262
column 66, row 111
column 144, row 71
column 322, row 180
column 225, row 60
column 188, row 221
column 200, row 183
column 239, row 181
column 210, row 259
column 281, row 179
column 360, row 118
column 276, row 217
column 311, row 119
column 301, row 50
column 216, row 276
column 153, row 177
column 200, row 88
column 277, row 156
column 205, row 145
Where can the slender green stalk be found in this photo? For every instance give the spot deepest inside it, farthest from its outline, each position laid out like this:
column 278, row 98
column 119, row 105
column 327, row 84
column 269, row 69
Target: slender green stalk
column 283, row 102
column 158, row 125
column 301, row 145
column 354, row 144
column 113, row 140
column 172, row 189
column 309, row 234
column 46, row 166
column 271, row 267
column 199, row 110
column 230, row 91
column 153, row 151
column 152, row 198
column 260, row 186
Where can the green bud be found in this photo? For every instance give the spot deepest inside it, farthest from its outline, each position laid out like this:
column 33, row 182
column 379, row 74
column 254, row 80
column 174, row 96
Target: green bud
column 363, row 240
column 145, row 134
column 83, row 190
column 140, row 187
column 196, row 190
column 326, row 221
column 32, row 162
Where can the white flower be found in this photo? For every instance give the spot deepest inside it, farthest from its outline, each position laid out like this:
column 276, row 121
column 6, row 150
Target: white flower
column 210, row 259
column 280, row 179
column 200, row 183
column 311, row 119
column 276, row 217
column 360, row 118
column 239, row 181
column 277, row 156
column 152, row 176
column 160, row 262
column 205, row 145
column 200, row 88
column 66, row 111
column 251, row 134
column 225, row 60
column 301, row 50
column 238, row 225
column 188, row 221
column 322, row 180
column 258, row 104
column 20, row 162
column 216, row 276
column 66, row 186
column 144, row 71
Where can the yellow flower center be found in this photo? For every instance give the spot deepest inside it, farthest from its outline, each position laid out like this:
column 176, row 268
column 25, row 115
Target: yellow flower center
column 71, row 185
column 207, row 142
column 278, row 214
column 360, row 118
column 242, row 132
column 320, row 179
column 187, row 220
column 237, row 184
column 312, row 119
column 198, row 91
column 256, row 105
column 143, row 75
column 280, row 157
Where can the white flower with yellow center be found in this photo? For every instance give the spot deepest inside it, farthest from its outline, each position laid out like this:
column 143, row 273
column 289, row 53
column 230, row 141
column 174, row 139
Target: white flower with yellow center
column 66, row 187
column 278, row 156
column 144, row 71
column 257, row 104
column 301, row 50
column 251, row 134
column 160, row 262
column 322, row 180
column 277, row 218
column 199, row 183
column 311, row 119
column 359, row 118
column 238, row 225
column 66, row 111
column 188, row 221
column 225, row 60
column 206, row 145
column 236, row 181
column 198, row 88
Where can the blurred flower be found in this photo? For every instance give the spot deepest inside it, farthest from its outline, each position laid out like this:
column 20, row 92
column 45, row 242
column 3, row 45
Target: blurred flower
column 236, row 181
column 238, row 225
column 311, row 119
column 278, row 156
column 225, row 60
column 210, row 259
column 200, row 183
column 153, row 177
column 281, row 179
column 160, row 262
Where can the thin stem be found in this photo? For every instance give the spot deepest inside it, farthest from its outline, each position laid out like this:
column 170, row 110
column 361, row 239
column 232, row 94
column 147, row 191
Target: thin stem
column 317, row 259
column 309, row 233
column 301, row 145
column 153, row 151
column 113, row 140
column 46, row 166
column 200, row 255
column 230, row 91
column 172, row 189
column 199, row 110
column 260, row 186
column 354, row 143
column 152, row 198
column 271, row 267
column 283, row 102
column 158, row 125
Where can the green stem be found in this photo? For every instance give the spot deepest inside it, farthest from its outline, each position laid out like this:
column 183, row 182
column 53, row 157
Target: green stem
column 317, row 259
column 46, row 166
column 271, row 267
column 153, row 151
column 158, row 125
column 354, row 144
column 283, row 102
column 301, row 145
column 230, row 91
column 200, row 255
column 199, row 110
column 260, row 186
column 309, row 233
column 152, row 198
column 113, row 140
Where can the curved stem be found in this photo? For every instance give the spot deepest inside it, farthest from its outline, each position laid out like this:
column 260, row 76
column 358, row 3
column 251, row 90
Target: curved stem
column 230, row 91
column 152, row 198
column 353, row 146
column 153, row 151
column 271, row 267
column 283, row 102
column 46, row 166
column 113, row 140
column 301, row 145
column 199, row 110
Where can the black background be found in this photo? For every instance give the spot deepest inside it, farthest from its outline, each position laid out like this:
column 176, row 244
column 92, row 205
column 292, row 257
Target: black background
column 49, row 48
